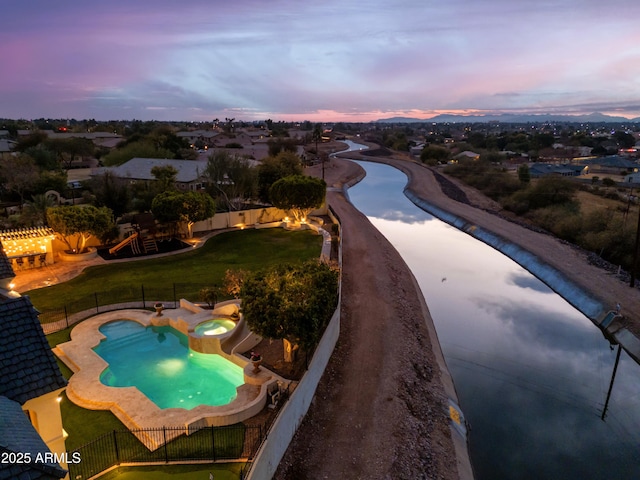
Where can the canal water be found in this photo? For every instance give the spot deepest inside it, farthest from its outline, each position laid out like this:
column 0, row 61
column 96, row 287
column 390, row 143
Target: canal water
column 531, row 372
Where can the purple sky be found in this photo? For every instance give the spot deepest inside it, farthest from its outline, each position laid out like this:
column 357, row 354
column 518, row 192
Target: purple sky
column 332, row 60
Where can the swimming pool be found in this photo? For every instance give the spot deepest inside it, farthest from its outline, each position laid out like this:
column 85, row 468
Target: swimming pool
column 158, row 361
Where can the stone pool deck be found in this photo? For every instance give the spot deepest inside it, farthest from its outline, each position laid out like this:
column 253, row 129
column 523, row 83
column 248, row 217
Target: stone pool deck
column 131, row 406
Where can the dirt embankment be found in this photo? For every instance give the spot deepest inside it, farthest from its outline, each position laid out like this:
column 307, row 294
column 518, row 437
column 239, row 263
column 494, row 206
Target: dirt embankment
column 381, row 407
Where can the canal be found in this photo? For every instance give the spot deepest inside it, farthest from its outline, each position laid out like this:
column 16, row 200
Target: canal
column 532, row 373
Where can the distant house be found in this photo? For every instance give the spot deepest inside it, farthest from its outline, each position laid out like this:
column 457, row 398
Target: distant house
column 613, row 164
column 538, row 170
column 6, row 147
column 467, row 155
column 191, row 173
column 30, row 420
column 416, row 150
column 200, row 137
column 632, row 178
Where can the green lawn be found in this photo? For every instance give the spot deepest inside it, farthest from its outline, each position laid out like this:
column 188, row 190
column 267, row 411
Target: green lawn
column 121, row 282
column 247, row 250
column 220, row 471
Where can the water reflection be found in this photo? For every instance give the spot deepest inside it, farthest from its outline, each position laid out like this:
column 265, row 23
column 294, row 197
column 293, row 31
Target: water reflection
column 531, row 371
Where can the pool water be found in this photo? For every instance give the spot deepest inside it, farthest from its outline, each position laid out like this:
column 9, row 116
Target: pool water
column 217, row 326
column 158, row 361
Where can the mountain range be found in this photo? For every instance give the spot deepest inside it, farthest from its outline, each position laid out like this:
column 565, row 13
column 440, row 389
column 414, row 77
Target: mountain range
column 514, row 118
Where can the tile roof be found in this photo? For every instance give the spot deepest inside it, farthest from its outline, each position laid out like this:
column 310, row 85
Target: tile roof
column 6, row 271
column 140, row 168
column 27, row 366
column 18, row 436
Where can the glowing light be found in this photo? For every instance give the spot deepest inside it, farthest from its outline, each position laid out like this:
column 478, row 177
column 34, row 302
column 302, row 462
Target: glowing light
column 171, row 367
column 215, row 331
column 12, row 286
column 58, row 399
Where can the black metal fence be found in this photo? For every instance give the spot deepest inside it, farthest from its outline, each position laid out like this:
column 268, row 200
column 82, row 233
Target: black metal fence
column 124, row 447
column 143, row 296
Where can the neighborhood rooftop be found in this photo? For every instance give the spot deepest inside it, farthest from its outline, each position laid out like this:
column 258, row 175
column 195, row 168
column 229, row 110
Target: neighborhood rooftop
column 140, row 168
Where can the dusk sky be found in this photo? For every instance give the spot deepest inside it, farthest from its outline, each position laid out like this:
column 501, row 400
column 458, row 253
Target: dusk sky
column 335, row 60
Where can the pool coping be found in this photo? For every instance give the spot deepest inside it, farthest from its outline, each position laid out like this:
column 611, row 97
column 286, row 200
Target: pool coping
column 134, row 409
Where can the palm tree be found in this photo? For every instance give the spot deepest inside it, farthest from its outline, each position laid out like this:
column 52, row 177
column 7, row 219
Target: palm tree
column 35, row 210
column 317, row 137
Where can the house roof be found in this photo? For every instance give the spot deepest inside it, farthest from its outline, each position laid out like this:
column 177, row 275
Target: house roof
column 6, row 271
column 467, row 154
column 197, row 134
column 140, row 168
column 27, row 366
column 549, row 168
column 19, row 436
column 7, row 145
column 614, row 161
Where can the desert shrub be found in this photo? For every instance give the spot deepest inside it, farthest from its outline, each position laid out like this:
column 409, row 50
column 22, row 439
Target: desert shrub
column 563, row 220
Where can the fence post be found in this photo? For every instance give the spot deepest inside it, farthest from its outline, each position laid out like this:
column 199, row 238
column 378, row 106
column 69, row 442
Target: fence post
column 144, row 305
column 95, row 294
column 166, row 454
column 66, row 317
column 115, row 445
column 175, row 301
column 213, row 443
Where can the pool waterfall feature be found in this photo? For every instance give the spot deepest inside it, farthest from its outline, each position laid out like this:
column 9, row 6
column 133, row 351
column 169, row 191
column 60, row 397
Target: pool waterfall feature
column 136, row 410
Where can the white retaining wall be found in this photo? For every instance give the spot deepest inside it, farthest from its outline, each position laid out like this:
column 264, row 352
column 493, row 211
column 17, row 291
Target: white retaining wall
column 294, row 410
column 284, row 428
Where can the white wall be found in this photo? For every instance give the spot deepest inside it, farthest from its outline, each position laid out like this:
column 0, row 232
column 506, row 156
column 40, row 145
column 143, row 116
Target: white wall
column 284, row 428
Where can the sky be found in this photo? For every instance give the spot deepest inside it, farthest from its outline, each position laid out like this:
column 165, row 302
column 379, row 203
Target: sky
column 336, row 60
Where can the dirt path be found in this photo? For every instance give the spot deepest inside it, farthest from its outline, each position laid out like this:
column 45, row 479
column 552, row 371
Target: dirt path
column 380, row 410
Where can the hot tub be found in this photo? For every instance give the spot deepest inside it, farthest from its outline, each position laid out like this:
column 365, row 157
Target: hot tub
column 215, row 327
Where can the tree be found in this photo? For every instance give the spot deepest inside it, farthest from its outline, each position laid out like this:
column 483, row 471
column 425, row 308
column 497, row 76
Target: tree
column 189, row 207
column 142, row 148
column 299, row 194
column 110, row 192
column 231, row 179
column 81, row 222
column 20, row 175
column 432, row 155
column 209, row 295
column 273, row 169
column 317, row 137
column 35, row 210
column 524, row 175
column 67, row 149
column 292, row 303
column 166, row 176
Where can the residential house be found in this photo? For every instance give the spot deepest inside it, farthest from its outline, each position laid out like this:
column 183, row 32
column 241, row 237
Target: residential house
column 467, row 155
column 191, row 173
column 6, row 147
column 416, row 150
column 537, row 170
column 632, row 178
column 612, row 164
column 199, row 138
column 30, row 419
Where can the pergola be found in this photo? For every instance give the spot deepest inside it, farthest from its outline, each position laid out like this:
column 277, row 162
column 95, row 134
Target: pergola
column 28, row 247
